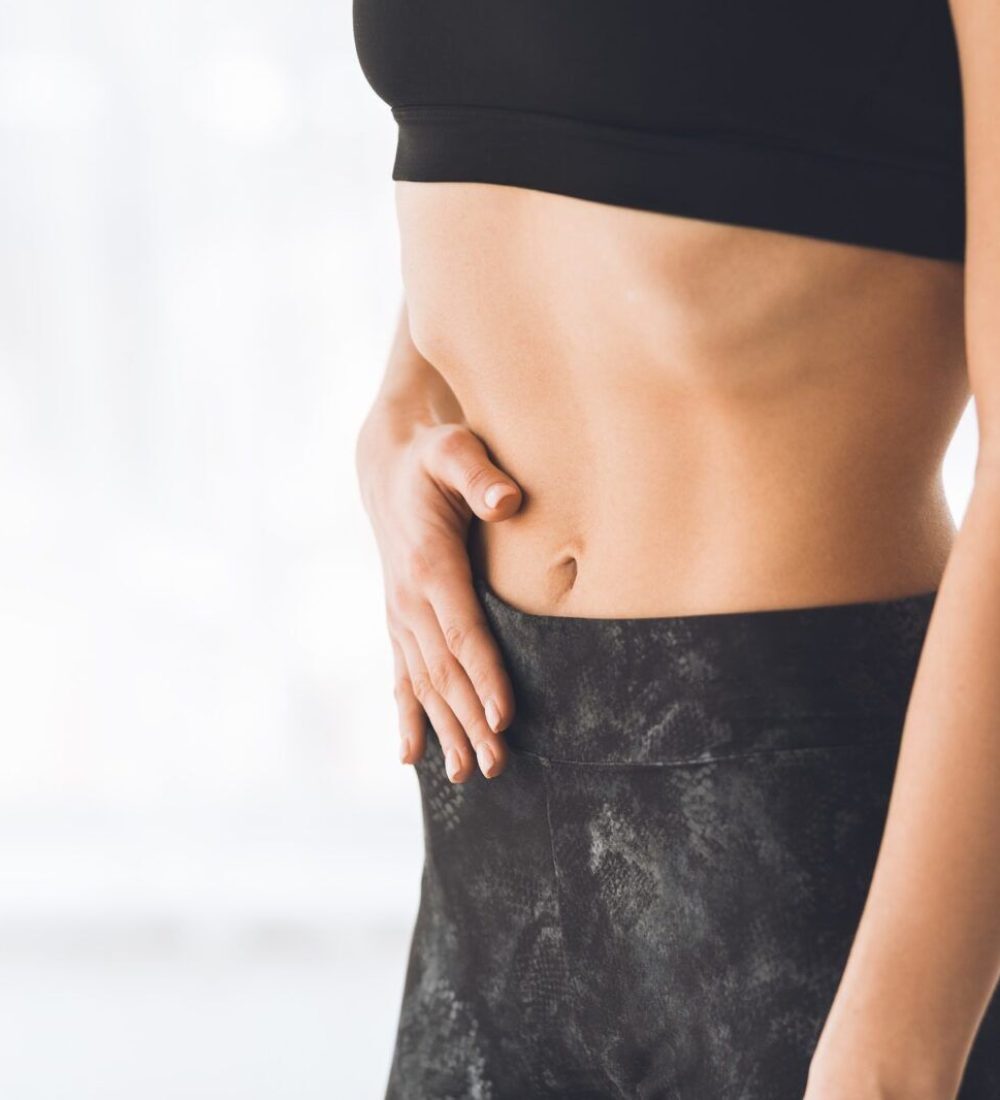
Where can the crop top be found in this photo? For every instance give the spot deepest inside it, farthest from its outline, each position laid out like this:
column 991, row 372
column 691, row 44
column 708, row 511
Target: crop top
column 837, row 119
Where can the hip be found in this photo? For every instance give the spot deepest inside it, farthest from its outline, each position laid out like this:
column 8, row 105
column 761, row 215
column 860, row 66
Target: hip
column 658, row 895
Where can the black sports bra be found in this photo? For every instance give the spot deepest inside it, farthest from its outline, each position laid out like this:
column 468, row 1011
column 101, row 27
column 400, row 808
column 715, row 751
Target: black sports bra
column 839, row 119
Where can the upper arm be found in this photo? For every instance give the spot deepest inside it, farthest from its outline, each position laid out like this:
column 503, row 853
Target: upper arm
column 977, row 30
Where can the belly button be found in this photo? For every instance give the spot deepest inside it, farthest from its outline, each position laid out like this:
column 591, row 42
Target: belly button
column 566, row 571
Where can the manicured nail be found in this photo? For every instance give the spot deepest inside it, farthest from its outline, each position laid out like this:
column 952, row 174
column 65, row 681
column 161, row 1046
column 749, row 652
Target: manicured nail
column 493, row 715
column 453, row 763
column 404, row 750
column 484, row 754
column 495, row 494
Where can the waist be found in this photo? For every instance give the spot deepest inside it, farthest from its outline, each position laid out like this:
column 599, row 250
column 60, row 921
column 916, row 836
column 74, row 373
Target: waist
column 687, row 689
column 700, row 416
column 642, row 499
column 596, row 557
column 504, row 274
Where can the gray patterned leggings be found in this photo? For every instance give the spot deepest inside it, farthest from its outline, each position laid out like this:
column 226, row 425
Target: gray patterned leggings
column 657, row 897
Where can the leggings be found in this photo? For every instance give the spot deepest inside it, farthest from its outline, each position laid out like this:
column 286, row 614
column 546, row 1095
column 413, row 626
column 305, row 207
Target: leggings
column 657, row 896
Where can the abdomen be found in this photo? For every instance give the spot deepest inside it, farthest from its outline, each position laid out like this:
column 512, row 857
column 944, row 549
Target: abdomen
column 701, row 416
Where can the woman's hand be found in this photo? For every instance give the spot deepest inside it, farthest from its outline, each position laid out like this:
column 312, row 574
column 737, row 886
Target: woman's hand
column 421, row 483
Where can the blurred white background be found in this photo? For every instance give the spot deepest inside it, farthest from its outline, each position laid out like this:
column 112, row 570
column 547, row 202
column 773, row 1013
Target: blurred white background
column 209, row 854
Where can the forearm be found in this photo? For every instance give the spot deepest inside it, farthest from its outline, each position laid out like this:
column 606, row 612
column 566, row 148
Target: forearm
column 926, row 956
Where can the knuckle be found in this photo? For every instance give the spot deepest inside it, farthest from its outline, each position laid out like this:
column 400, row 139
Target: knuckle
column 476, row 475
column 441, row 676
column 422, row 688
column 419, row 563
column 403, row 591
column 396, row 593
column 402, row 689
column 456, row 636
column 392, row 603
column 466, row 642
column 452, row 440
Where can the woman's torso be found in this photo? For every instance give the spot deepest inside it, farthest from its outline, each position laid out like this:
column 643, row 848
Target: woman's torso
column 701, row 416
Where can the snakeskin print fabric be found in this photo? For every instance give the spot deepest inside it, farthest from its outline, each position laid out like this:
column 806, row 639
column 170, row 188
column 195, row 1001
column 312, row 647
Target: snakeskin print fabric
column 657, row 897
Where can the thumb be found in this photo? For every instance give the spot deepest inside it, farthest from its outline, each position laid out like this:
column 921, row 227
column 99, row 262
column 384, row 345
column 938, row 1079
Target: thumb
column 458, row 459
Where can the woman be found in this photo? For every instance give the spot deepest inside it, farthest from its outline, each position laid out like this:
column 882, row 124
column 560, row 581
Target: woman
column 695, row 295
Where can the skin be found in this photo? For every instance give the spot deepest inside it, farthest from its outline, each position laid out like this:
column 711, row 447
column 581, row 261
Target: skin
column 897, row 1029
column 423, row 475
column 757, row 420
column 746, row 419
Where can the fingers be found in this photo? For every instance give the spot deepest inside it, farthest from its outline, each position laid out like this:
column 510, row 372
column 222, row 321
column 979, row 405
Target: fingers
column 463, row 627
column 449, row 667
column 458, row 460
column 458, row 756
column 412, row 720
column 451, row 682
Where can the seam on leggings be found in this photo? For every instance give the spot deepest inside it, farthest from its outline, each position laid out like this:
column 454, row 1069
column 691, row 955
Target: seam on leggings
column 797, row 715
column 803, row 715
column 694, row 761
column 570, row 977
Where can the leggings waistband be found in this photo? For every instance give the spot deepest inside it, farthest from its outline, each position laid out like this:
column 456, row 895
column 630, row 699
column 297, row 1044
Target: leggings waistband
column 682, row 689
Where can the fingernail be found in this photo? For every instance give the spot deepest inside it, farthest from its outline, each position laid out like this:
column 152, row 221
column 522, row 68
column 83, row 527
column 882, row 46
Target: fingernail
column 484, row 754
column 495, row 493
column 493, row 715
column 453, row 763
column 404, row 750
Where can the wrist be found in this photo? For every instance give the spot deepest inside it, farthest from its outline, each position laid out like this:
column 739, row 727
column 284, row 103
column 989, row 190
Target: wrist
column 392, row 421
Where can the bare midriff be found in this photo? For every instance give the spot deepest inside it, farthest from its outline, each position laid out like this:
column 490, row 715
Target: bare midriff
column 702, row 417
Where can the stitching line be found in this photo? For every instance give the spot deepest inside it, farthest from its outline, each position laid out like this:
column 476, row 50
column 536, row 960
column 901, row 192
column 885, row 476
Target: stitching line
column 694, row 761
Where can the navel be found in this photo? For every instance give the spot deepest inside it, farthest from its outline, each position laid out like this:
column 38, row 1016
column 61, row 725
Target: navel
column 564, row 573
